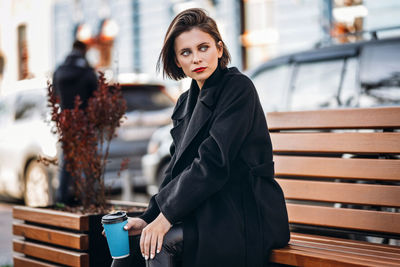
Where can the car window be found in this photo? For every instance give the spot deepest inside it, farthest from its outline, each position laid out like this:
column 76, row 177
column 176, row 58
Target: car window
column 272, row 85
column 316, row 85
column 5, row 110
column 380, row 74
column 145, row 98
column 30, row 105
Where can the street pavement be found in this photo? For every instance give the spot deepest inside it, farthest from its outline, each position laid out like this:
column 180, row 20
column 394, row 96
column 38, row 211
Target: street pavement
column 6, row 233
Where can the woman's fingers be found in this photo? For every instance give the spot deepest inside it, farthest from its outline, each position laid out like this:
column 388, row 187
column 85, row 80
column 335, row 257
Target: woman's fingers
column 142, row 238
column 146, row 244
column 135, row 226
column 150, row 243
column 152, row 237
column 160, row 240
column 153, row 245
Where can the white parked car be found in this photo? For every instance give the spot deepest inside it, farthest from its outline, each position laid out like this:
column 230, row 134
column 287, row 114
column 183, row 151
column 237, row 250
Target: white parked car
column 155, row 162
column 24, row 135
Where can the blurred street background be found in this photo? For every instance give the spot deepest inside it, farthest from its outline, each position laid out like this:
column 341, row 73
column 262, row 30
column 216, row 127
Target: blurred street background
column 125, row 38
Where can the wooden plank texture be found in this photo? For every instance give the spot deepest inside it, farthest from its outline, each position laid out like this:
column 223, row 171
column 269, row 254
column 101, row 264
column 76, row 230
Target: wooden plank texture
column 62, row 238
column 364, row 194
column 56, row 255
column 365, row 220
column 20, row 261
column 295, row 257
column 365, row 118
column 325, row 167
column 364, row 143
column 356, row 252
column 393, row 250
column 52, row 217
column 345, row 256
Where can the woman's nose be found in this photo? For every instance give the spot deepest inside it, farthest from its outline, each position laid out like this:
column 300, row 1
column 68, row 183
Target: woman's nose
column 196, row 58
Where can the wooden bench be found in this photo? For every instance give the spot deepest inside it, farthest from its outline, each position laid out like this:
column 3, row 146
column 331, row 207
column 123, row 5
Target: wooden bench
column 340, row 172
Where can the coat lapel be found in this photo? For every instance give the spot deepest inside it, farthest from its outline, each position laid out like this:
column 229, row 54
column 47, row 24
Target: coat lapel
column 181, row 115
column 202, row 112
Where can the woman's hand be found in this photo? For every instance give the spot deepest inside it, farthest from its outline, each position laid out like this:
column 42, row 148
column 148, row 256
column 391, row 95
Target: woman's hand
column 153, row 235
column 135, row 226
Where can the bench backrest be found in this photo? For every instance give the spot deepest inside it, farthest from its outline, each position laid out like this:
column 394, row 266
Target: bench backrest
column 340, row 168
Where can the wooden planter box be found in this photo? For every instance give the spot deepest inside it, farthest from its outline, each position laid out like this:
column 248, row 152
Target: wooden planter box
column 47, row 237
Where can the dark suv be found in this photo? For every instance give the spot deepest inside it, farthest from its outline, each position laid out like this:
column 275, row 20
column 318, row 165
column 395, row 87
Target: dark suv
column 363, row 74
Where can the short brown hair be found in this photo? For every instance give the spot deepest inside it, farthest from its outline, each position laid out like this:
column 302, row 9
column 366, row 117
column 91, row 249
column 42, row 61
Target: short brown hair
column 183, row 22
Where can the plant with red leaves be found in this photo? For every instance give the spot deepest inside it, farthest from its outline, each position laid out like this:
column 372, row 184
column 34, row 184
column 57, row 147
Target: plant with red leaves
column 85, row 136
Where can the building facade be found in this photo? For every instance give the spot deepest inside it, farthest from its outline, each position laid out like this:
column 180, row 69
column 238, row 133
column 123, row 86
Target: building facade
column 138, row 32
column 126, row 35
column 25, row 41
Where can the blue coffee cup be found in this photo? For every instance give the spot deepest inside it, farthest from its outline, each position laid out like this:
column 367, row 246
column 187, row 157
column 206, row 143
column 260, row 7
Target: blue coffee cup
column 117, row 237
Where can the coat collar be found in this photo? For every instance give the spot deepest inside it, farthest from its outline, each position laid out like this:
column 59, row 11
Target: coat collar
column 207, row 95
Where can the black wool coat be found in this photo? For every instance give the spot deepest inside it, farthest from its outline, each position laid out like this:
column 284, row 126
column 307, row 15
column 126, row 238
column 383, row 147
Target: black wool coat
column 220, row 181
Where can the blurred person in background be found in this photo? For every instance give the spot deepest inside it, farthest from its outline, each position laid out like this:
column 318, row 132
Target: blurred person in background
column 219, row 204
column 72, row 78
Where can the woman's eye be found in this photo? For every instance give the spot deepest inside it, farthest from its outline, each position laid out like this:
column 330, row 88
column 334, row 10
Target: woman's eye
column 185, row 53
column 203, row 48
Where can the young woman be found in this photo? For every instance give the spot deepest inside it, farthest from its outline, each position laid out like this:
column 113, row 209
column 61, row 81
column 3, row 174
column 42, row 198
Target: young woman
column 219, row 204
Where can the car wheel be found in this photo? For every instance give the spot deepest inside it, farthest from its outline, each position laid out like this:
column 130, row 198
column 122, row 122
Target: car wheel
column 160, row 174
column 36, row 185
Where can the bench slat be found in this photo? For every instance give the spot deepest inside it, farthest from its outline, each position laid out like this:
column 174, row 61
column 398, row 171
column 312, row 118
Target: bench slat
column 52, row 217
column 61, row 256
column 365, row 118
column 20, row 261
column 57, row 237
column 380, row 195
column 366, row 253
column 296, row 257
column 346, row 243
column 343, row 255
column 365, row 220
column 365, row 143
column 324, row 167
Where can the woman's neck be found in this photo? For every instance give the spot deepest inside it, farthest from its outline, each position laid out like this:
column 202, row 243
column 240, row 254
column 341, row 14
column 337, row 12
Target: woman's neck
column 200, row 84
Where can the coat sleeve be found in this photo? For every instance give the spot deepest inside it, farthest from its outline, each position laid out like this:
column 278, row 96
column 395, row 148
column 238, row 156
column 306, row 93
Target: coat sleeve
column 211, row 169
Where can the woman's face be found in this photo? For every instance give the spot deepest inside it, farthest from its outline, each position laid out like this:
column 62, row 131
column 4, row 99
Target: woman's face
column 197, row 54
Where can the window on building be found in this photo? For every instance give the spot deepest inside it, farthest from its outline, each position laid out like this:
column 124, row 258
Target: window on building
column 23, row 68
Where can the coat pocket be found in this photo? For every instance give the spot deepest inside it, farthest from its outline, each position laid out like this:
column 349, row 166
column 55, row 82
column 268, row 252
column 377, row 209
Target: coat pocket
column 271, row 206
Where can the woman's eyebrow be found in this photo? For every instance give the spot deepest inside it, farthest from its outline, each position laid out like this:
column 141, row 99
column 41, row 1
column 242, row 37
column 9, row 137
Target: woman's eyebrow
column 203, row 43
column 184, row 49
column 188, row 49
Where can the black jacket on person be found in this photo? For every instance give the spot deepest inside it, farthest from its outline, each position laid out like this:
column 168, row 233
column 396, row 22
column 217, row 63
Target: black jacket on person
column 220, row 181
column 74, row 77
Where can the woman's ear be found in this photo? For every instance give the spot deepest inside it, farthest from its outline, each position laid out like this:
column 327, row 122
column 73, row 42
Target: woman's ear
column 220, row 48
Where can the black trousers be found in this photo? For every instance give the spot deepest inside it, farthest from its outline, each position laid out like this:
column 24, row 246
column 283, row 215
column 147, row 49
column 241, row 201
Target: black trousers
column 169, row 256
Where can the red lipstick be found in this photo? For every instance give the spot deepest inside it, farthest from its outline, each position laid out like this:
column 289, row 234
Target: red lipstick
column 198, row 70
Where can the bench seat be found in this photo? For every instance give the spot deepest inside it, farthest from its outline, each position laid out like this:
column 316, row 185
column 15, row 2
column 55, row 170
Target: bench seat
column 315, row 250
column 340, row 173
